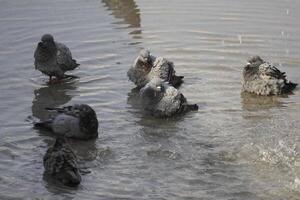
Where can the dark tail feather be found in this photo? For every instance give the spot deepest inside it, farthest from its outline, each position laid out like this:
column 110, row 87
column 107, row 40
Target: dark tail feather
column 60, row 110
column 189, row 107
column 72, row 65
column 289, row 87
column 177, row 81
column 44, row 125
column 75, row 63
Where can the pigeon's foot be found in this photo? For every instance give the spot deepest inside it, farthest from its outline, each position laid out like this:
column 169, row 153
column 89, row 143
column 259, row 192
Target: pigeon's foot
column 53, row 81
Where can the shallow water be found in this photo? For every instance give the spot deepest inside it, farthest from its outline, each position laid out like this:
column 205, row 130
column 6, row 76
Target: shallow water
column 237, row 146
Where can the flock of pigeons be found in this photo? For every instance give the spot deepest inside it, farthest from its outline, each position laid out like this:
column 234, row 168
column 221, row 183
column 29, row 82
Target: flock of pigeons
column 157, row 83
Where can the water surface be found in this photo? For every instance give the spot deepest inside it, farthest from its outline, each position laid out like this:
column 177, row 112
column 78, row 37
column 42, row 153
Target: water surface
column 237, row 146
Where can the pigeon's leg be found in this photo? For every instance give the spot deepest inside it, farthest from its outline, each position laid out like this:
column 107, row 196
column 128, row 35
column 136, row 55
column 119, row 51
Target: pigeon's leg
column 50, row 79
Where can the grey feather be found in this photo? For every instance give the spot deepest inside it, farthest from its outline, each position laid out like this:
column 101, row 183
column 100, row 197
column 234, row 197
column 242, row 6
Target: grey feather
column 262, row 78
column 53, row 58
column 161, row 99
column 78, row 121
column 60, row 162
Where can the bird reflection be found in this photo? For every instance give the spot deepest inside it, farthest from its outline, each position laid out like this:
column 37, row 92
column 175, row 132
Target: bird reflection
column 126, row 10
column 151, row 127
column 51, row 96
column 252, row 102
column 133, row 98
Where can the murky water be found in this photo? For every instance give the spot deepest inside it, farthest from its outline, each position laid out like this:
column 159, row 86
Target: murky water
column 237, row 146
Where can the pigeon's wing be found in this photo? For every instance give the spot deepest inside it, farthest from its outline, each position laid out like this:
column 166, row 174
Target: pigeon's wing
column 171, row 101
column 271, row 71
column 53, row 161
column 57, row 159
column 68, row 110
column 161, row 69
column 64, row 58
column 70, row 160
column 171, row 70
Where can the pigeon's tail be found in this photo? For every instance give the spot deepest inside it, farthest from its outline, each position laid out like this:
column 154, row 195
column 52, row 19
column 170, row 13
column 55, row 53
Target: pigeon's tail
column 44, row 125
column 59, row 110
column 288, row 87
column 189, row 107
column 192, row 107
column 177, row 81
column 74, row 65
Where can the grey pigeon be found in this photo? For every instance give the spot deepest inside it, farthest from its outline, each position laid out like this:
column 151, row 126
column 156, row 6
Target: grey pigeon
column 53, row 58
column 78, row 121
column 262, row 78
column 60, row 162
column 147, row 67
column 161, row 99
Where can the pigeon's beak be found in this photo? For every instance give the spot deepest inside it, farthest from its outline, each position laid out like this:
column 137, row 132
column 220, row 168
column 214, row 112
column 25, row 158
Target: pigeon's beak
column 42, row 45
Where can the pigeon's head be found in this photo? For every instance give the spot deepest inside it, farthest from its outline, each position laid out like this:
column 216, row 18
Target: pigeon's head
column 47, row 38
column 88, row 120
column 47, row 44
column 251, row 68
column 145, row 57
column 254, row 61
column 153, row 91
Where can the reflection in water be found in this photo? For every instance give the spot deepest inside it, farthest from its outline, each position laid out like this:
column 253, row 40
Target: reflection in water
column 56, row 187
column 152, row 127
column 126, row 10
column 252, row 102
column 133, row 98
column 51, row 96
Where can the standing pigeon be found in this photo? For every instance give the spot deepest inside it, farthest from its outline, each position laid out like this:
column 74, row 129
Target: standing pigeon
column 53, row 58
column 262, row 78
column 160, row 99
column 147, row 67
column 60, row 162
column 78, row 121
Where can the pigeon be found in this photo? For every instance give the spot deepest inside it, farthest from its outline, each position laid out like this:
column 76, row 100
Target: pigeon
column 160, row 99
column 147, row 67
column 262, row 78
column 53, row 58
column 60, row 162
column 78, row 121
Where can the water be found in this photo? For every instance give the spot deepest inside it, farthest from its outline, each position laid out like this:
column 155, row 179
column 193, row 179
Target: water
column 235, row 147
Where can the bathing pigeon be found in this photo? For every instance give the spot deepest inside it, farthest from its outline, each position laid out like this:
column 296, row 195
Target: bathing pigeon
column 53, row 58
column 161, row 99
column 262, row 78
column 78, row 121
column 60, row 162
column 147, row 67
